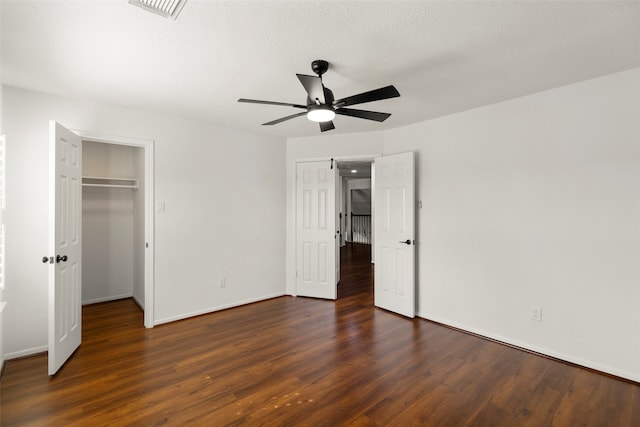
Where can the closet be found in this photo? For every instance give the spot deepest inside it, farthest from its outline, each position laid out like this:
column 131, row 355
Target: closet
column 113, row 239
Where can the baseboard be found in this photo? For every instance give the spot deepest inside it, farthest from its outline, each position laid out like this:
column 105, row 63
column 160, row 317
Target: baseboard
column 217, row 308
column 105, row 299
column 140, row 304
column 608, row 370
column 26, row 353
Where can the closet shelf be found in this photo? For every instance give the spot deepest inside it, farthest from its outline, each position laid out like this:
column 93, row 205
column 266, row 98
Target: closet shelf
column 109, row 182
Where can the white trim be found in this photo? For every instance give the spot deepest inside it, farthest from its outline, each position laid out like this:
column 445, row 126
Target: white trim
column 27, row 352
column 545, row 351
column 149, row 156
column 218, row 308
column 105, row 299
column 3, row 304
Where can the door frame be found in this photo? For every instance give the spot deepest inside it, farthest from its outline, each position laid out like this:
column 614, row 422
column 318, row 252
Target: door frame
column 293, row 213
column 149, row 268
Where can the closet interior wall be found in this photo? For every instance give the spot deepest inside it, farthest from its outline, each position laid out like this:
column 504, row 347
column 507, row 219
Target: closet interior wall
column 112, row 225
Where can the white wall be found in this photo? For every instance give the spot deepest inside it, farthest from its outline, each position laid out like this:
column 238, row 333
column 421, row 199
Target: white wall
column 224, row 195
column 2, row 300
column 533, row 202
column 109, row 251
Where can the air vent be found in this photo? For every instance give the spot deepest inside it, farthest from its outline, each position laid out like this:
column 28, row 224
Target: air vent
column 166, row 8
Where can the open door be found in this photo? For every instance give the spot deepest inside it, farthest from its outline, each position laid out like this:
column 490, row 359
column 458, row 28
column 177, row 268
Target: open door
column 394, row 288
column 316, row 230
column 65, row 245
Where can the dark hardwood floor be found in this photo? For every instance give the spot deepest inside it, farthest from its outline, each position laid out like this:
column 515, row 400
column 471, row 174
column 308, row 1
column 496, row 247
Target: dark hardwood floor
column 298, row 361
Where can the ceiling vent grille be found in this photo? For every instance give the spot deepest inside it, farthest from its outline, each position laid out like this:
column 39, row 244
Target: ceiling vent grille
column 166, row 8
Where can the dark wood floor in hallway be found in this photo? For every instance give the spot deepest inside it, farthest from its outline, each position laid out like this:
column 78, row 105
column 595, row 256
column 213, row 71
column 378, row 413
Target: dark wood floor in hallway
column 304, row 362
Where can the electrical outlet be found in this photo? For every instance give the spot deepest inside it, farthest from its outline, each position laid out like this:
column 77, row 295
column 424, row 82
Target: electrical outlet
column 536, row 313
column 222, row 282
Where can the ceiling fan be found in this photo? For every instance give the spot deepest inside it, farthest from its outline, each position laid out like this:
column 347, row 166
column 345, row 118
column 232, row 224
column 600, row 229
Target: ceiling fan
column 321, row 105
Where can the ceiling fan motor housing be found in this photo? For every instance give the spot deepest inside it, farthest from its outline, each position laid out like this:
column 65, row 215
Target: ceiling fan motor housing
column 319, row 66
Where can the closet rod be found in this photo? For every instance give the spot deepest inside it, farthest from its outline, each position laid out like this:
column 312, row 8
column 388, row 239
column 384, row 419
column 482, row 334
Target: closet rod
column 133, row 187
column 109, row 182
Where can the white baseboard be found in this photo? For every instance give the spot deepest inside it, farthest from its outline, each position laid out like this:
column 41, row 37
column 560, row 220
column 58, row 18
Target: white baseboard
column 105, row 299
column 218, row 308
column 25, row 353
column 140, row 304
column 544, row 351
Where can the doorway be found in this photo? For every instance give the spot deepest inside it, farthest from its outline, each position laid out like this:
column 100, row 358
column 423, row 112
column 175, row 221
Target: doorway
column 320, row 228
column 113, row 223
column 118, row 190
column 356, row 228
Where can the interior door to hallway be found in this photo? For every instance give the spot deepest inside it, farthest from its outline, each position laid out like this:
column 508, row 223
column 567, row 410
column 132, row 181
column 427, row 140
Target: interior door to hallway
column 316, row 230
column 394, row 270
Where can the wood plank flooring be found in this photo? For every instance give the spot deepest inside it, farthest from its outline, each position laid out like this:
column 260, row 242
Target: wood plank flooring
column 298, row 361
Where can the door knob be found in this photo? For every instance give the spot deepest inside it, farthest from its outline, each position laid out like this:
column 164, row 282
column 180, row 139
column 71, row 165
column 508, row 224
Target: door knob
column 406, row 242
column 62, row 258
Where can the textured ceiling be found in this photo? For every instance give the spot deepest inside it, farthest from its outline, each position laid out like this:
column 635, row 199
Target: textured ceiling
column 443, row 57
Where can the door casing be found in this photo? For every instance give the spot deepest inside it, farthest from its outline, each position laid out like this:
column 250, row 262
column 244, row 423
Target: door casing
column 148, row 147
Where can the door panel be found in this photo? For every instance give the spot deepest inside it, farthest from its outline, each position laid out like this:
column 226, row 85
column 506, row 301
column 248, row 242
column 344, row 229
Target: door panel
column 315, row 230
column 394, row 268
column 65, row 245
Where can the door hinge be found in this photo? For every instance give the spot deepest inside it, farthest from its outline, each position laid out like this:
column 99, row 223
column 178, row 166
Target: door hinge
column 332, row 163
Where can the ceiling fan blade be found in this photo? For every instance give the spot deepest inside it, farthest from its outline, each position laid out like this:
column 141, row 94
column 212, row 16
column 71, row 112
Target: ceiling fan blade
column 363, row 114
column 313, row 86
column 370, row 96
column 325, row 126
column 256, row 101
column 293, row 116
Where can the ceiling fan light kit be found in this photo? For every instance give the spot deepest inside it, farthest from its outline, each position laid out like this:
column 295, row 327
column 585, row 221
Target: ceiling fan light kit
column 322, row 107
column 320, row 113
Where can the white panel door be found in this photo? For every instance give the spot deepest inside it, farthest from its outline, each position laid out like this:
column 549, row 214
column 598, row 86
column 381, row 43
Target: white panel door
column 394, row 269
column 65, row 245
column 316, row 230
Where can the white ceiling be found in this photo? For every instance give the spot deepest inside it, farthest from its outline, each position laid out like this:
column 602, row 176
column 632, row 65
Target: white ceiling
column 443, row 57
